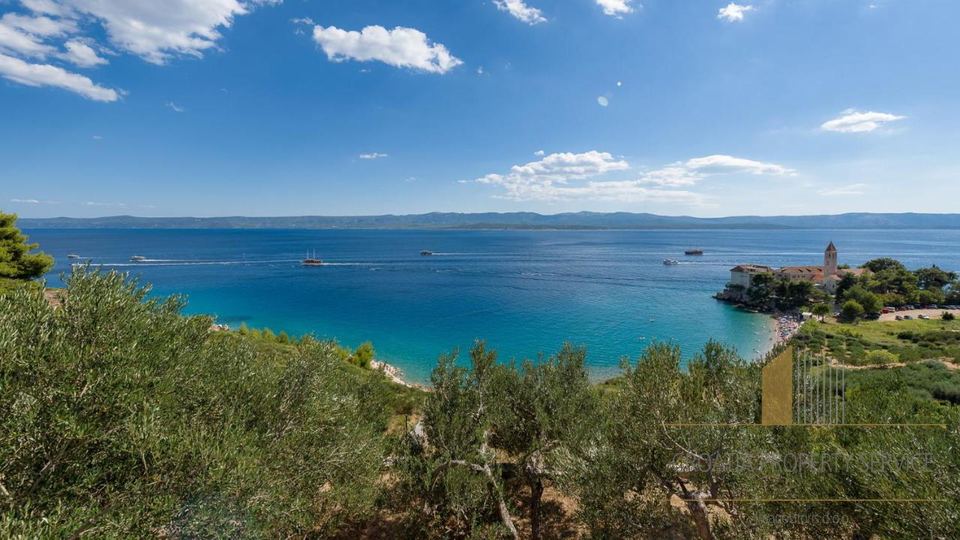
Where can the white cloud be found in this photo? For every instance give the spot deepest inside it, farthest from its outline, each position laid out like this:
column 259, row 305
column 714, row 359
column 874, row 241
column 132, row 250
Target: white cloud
column 25, row 201
column 39, row 25
column 603, row 101
column 730, row 164
column 47, row 75
column 97, row 138
column 550, row 179
column 95, row 203
column 157, row 31
column 853, row 121
column 844, row 191
column 57, row 31
column 692, row 171
column 615, row 8
column 733, row 12
column 374, row 155
column 539, row 153
column 521, row 11
column 82, row 55
column 49, row 7
column 400, row 47
column 568, row 176
column 175, row 107
column 14, row 40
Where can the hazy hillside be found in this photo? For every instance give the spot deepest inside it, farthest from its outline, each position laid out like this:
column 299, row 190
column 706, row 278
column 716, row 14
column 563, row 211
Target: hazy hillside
column 511, row 220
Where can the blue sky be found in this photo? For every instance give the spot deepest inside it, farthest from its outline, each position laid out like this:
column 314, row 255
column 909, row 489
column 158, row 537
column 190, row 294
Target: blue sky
column 292, row 107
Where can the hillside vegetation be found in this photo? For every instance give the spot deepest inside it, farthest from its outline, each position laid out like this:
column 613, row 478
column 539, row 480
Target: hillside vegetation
column 121, row 418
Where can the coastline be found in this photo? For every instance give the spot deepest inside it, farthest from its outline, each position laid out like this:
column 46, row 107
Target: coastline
column 395, row 374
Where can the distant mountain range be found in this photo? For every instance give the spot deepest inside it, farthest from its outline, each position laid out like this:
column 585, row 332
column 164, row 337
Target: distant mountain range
column 509, row 220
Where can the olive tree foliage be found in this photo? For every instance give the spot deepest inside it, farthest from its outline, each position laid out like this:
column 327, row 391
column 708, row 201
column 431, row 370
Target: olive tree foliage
column 493, row 434
column 651, row 475
column 924, row 463
column 121, row 418
column 16, row 262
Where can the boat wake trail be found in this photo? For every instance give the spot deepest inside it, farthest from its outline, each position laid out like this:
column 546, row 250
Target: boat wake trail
column 163, row 262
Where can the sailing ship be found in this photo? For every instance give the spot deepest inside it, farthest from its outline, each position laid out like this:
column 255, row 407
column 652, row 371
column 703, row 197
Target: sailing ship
column 312, row 261
column 693, row 252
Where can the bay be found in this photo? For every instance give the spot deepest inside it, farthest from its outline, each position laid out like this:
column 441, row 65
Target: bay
column 525, row 292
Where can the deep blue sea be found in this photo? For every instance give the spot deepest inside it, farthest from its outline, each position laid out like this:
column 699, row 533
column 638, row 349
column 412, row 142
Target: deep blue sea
column 525, row 292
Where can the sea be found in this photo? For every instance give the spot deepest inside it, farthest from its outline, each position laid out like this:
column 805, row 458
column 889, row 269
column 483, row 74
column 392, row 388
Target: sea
column 525, row 292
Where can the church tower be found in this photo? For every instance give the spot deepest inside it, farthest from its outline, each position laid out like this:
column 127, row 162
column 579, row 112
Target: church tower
column 830, row 260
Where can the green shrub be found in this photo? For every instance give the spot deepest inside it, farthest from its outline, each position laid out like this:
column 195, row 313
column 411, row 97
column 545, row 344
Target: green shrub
column 120, row 418
column 948, row 316
column 364, row 354
column 880, row 356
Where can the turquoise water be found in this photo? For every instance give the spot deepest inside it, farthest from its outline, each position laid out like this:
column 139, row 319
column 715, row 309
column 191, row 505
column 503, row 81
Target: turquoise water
column 525, row 292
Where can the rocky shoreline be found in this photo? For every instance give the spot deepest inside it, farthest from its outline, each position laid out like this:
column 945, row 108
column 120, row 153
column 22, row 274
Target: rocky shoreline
column 395, row 374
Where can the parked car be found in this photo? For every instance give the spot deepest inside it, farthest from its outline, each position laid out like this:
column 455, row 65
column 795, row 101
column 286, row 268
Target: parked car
column 908, row 317
column 923, row 316
column 899, row 317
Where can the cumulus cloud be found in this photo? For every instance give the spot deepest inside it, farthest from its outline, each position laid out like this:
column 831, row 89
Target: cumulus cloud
column 521, row 11
column 39, row 25
column 844, row 191
column 400, row 47
column 374, row 155
column 733, row 12
column 854, row 121
column 81, row 54
column 615, row 8
column 29, row 74
column 49, row 32
column 15, row 40
column 569, row 176
column 550, row 178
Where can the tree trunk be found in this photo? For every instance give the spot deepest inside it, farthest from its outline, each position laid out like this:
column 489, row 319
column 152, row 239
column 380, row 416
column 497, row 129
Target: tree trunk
column 536, row 495
column 699, row 512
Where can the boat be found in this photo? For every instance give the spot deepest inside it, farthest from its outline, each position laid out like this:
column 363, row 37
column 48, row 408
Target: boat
column 73, row 256
column 426, row 252
column 671, row 261
column 693, row 252
column 312, row 261
column 138, row 258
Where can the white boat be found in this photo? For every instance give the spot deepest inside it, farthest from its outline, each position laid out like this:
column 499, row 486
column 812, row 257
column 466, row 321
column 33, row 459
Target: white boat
column 73, row 256
column 138, row 258
column 671, row 261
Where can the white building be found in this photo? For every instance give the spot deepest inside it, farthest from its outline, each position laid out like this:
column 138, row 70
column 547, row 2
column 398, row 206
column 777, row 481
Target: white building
column 825, row 277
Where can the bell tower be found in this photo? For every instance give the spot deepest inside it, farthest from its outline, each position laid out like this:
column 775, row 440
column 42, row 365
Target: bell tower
column 830, row 260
